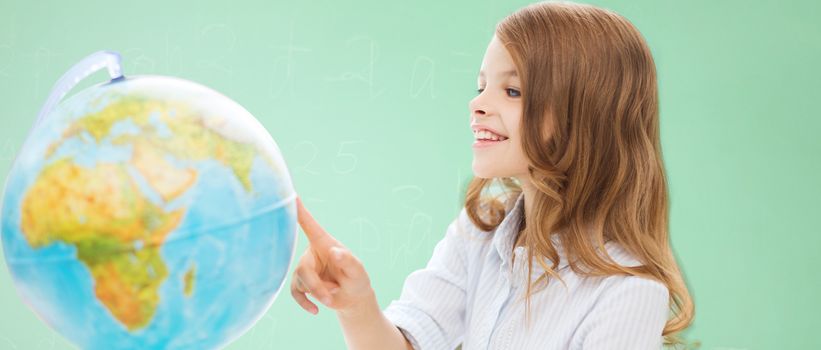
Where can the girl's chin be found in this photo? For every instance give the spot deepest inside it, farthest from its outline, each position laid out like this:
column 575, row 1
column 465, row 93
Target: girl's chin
column 485, row 173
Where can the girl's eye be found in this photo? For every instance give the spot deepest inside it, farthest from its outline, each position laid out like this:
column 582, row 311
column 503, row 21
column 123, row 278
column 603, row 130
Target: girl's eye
column 511, row 92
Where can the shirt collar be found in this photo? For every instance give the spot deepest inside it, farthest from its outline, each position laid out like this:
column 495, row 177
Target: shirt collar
column 504, row 238
column 505, row 234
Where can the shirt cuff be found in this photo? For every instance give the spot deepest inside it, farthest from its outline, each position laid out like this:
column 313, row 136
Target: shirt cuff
column 420, row 329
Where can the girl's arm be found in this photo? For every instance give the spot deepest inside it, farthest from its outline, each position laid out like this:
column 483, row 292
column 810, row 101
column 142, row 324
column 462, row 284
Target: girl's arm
column 329, row 272
column 367, row 328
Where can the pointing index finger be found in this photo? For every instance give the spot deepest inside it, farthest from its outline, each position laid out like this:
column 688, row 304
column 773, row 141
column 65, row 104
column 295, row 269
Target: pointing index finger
column 312, row 229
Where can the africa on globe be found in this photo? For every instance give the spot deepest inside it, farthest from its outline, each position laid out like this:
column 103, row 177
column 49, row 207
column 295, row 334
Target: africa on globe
column 147, row 212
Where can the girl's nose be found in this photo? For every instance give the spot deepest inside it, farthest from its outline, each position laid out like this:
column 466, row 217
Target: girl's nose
column 477, row 107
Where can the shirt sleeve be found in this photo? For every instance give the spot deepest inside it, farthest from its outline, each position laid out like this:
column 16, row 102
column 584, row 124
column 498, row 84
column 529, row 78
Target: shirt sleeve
column 629, row 315
column 430, row 311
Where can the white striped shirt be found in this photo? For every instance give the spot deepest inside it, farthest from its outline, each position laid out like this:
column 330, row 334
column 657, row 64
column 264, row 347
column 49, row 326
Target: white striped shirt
column 465, row 296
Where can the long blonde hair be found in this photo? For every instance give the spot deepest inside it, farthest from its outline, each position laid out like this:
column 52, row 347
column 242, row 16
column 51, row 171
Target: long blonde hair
column 590, row 131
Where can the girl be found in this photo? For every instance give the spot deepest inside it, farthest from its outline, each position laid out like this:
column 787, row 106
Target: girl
column 566, row 120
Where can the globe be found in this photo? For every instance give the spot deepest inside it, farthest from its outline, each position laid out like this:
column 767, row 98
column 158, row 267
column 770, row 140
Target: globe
column 149, row 212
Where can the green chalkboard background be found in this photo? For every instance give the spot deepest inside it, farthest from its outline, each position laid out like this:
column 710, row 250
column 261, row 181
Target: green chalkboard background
column 368, row 102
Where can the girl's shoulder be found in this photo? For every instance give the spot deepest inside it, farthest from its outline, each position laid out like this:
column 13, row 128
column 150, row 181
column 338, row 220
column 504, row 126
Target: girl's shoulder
column 464, row 228
column 621, row 255
column 630, row 282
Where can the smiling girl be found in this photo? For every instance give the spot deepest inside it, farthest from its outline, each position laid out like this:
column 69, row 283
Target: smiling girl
column 575, row 253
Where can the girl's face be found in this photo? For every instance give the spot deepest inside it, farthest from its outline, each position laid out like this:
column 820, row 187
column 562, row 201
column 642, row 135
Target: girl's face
column 498, row 107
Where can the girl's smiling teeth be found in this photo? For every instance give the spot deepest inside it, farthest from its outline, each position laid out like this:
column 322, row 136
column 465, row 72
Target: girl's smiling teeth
column 484, row 135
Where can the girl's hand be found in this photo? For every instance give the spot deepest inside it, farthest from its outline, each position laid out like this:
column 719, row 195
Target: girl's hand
column 328, row 271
